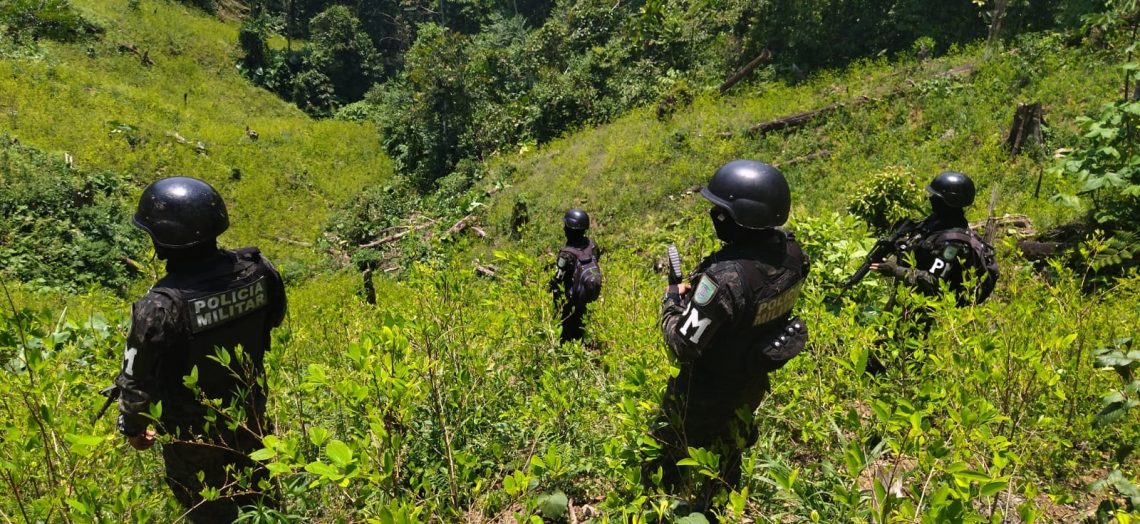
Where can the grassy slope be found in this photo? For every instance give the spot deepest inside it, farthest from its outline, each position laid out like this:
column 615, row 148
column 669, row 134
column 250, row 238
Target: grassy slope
column 291, row 177
column 496, row 338
column 626, row 174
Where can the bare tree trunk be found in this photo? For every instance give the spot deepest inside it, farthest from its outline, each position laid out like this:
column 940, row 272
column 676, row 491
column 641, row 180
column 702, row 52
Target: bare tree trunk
column 996, row 18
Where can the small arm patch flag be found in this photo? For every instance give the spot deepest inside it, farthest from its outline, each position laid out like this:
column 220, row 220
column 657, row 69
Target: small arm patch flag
column 706, row 290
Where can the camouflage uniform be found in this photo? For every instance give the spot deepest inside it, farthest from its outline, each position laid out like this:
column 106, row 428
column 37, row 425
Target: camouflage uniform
column 723, row 334
column 572, row 312
column 235, row 297
column 940, row 254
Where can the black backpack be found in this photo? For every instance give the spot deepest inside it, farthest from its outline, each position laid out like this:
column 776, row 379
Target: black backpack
column 983, row 258
column 586, row 281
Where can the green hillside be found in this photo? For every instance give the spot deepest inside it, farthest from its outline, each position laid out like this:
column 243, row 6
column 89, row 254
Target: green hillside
column 109, row 111
column 925, row 117
column 450, row 400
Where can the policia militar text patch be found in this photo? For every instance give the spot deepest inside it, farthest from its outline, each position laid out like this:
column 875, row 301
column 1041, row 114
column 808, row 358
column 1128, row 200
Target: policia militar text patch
column 219, row 308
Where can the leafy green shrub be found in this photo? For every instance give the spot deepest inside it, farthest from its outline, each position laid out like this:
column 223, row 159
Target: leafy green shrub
column 1108, row 164
column 424, row 114
column 253, row 40
column 51, row 19
column 343, row 52
column 1107, row 167
column 885, row 198
column 371, row 215
column 62, row 228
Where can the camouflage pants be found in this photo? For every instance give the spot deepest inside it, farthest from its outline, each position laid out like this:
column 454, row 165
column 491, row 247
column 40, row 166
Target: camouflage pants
column 715, row 426
column 573, row 325
column 222, row 467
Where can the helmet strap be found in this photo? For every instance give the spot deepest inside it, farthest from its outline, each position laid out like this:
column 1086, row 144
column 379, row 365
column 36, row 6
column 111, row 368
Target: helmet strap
column 727, row 230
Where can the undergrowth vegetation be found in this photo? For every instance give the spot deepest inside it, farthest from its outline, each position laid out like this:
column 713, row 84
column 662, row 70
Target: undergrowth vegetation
column 185, row 110
column 451, row 400
column 61, row 228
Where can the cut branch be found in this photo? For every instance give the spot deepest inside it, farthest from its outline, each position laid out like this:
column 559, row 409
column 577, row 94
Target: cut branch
column 394, row 237
column 798, row 119
column 739, row 75
column 822, row 153
column 460, row 226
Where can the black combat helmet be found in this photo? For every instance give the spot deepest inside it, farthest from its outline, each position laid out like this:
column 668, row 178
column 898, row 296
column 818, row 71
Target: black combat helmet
column 576, row 219
column 181, row 212
column 955, row 189
column 755, row 194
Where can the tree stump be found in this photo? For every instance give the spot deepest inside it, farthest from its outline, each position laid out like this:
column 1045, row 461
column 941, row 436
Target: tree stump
column 369, row 287
column 520, row 215
column 1026, row 128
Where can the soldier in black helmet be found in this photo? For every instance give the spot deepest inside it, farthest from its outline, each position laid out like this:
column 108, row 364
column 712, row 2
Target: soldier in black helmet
column 940, row 250
column 210, row 300
column 577, row 278
column 944, row 246
column 731, row 329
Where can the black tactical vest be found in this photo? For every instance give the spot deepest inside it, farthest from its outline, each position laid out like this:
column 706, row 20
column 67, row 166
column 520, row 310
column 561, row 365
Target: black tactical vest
column 773, row 277
column 733, row 371
column 236, row 300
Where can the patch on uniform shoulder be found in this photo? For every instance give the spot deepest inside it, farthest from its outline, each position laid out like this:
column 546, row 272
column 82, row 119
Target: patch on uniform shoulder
column 706, row 290
column 219, row 308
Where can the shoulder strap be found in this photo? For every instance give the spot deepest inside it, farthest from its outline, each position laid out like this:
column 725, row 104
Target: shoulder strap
column 966, row 236
column 580, row 253
column 759, row 273
column 252, row 254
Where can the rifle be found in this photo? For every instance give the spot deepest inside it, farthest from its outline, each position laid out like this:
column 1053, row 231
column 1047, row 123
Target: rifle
column 112, row 393
column 884, row 247
column 675, row 275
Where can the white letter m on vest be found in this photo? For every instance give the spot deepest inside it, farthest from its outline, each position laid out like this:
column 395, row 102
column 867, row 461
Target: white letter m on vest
column 693, row 320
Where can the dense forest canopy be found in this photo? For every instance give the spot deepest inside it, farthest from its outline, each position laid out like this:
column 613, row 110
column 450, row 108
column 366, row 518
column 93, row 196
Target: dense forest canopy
column 455, row 80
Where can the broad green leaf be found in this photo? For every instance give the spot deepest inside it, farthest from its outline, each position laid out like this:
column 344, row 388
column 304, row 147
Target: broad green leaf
column 993, row 488
column 973, row 476
column 323, row 470
column 554, row 505
column 692, row 518
column 339, row 452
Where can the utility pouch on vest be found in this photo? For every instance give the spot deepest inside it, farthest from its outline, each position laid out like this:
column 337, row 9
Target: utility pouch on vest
column 789, row 344
column 775, row 290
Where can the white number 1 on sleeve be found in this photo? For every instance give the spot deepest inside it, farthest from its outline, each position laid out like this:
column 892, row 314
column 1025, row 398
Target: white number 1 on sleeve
column 129, row 361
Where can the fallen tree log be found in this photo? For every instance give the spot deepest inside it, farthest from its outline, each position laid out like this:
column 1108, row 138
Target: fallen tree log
column 732, row 80
column 490, row 272
column 396, row 236
column 799, row 119
column 459, row 226
column 822, row 153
